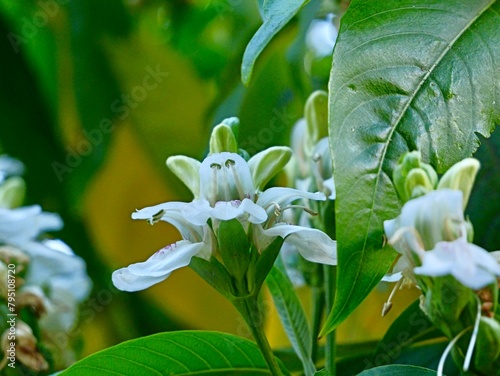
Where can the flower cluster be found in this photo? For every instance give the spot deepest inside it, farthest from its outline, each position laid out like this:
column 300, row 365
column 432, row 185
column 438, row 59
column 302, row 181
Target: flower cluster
column 50, row 281
column 232, row 221
column 434, row 241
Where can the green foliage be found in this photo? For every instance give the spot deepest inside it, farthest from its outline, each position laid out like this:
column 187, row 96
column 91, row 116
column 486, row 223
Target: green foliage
column 404, row 77
column 292, row 317
column 177, row 353
column 276, row 14
column 398, row 370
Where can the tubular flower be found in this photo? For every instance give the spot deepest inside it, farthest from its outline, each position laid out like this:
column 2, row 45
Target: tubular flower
column 225, row 187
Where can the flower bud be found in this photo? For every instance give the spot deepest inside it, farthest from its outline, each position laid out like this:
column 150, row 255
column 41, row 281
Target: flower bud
column 316, row 114
column 266, row 164
column 12, row 192
column 412, row 177
column 223, row 139
column 461, row 176
column 187, row 170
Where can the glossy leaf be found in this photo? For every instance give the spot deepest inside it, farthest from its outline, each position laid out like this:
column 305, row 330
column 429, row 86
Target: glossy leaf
column 398, row 370
column 408, row 328
column 176, row 353
column 276, row 14
column 406, row 75
column 292, row 317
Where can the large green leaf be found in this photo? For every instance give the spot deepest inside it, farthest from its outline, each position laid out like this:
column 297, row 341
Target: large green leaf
column 398, row 370
column 406, row 75
column 292, row 317
column 276, row 14
column 176, row 353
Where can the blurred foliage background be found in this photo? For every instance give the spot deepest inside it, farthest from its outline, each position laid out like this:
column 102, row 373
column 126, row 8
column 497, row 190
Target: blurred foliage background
column 95, row 95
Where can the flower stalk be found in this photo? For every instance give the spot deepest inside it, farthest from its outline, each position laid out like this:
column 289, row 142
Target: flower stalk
column 248, row 307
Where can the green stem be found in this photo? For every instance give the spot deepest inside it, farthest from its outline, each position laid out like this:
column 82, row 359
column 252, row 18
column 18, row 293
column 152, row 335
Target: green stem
column 330, row 273
column 249, row 309
column 318, row 305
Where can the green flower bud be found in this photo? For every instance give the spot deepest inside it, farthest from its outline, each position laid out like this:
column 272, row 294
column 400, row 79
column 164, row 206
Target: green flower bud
column 12, row 192
column 266, row 164
column 223, row 139
column 316, row 114
column 412, row 177
column 187, row 170
column 417, row 183
column 487, row 349
column 461, row 176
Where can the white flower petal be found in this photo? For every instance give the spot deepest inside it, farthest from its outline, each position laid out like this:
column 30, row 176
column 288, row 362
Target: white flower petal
column 469, row 264
column 314, row 245
column 392, row 277
column 284, row 196
column 26, row 223
column 197, row 212
column 436, row 216
column 124, row 280
column 330, row 185
column 157, row 268
column 167, row 259
column 173, row 213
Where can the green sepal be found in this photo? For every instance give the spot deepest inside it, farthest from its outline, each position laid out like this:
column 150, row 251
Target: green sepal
column 316, row 114
column 266, row 164
column 412, row 176
column 461, row 176
column 234, row 248
column 215, row 274
column 12, row 192
column 266, row 262
column 223, row 140
column 187, row 170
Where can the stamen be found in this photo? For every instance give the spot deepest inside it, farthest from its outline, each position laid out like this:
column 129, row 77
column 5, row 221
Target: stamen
column 216, row 165
column 237, row 181
column 388, row 304
column 213, row 196
column 155, row 218
column 473, row 338
column 448, row 349
column 305, row 208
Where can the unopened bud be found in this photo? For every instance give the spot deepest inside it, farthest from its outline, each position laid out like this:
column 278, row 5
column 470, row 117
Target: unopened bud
column 412, row 177
column 223, row 139
column 316, row 114
column 12, row 192
column 461, row 176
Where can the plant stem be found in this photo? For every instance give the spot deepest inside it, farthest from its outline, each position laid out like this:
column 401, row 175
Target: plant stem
column 249, row 310
column 318, row 305
column 330, row 273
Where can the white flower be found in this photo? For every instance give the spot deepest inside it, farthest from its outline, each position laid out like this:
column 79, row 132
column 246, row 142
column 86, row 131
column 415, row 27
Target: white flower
column 52, row 264
column 9, row 167
column 20, row 226
column 469, row 264
column 227, row 190
column 321, row 36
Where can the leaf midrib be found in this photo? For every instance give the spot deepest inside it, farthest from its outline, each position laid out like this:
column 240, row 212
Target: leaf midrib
column 396, row 124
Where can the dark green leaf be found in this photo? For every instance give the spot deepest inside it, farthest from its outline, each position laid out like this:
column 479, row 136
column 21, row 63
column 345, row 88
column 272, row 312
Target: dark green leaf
column 408, row 328
column 176, row 353
column 398, row 370
column 276, row 14
column 323, row 372
column 486, row 218
column 406, row 75
column 292, row 317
